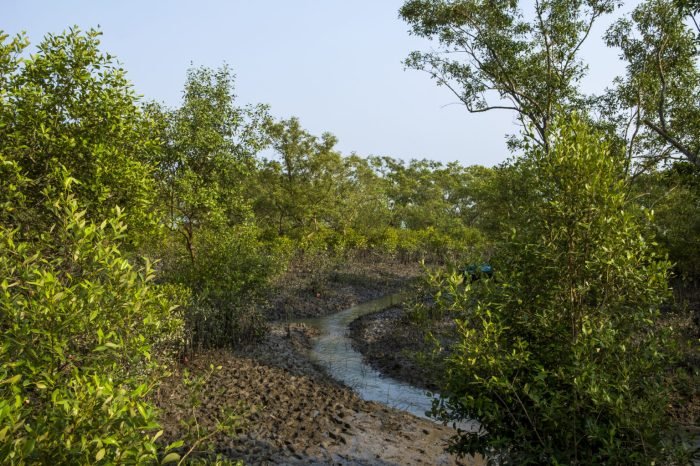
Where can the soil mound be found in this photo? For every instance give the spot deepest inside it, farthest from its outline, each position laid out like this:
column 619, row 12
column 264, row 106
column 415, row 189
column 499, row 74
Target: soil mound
column 391, row 344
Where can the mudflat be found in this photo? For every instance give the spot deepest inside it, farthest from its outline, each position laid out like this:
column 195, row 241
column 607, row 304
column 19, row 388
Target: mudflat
column 296, row 414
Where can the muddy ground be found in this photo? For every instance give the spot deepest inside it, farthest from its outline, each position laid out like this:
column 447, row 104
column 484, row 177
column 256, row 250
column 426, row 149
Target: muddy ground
column 313, row 288
column 291, row 411
column 390, row 343
column 295, row 414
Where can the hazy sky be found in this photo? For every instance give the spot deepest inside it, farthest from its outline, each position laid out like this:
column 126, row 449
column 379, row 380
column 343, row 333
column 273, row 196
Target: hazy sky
column 336, row 64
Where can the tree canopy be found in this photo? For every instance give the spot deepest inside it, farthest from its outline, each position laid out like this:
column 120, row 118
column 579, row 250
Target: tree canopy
column 497, row 56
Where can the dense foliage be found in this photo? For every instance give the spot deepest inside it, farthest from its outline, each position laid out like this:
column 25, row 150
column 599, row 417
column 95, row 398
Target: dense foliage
column 83, row 327
column 564, row 357
column 560, row 358
column 70, row 105
column 234, row 219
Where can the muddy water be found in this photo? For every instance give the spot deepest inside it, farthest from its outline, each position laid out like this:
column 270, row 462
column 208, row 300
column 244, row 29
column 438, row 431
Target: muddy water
column 333, row 350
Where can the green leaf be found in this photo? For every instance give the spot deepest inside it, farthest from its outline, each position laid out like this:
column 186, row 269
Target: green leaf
column 12, row 380
column 176, row 444
column 170, row 458
column 142, row 411
column 157, row 436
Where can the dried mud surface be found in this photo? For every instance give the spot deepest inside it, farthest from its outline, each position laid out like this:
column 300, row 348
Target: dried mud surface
column 295, row 414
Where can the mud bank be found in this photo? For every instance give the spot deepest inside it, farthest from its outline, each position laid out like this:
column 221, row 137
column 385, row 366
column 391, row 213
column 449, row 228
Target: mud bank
column 389, row 342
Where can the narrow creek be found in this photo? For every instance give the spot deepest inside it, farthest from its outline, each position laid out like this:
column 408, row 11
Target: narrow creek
column 333, row 350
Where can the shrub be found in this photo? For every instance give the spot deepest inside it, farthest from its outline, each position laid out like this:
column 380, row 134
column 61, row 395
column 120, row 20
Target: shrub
column 561, row 358
column 80, row 327
column 230, row 270
column 70, row 104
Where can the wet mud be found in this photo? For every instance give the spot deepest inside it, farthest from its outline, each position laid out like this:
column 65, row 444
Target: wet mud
column 295, row 414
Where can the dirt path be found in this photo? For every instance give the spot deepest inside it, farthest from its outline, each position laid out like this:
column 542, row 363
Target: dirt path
column 297, row 415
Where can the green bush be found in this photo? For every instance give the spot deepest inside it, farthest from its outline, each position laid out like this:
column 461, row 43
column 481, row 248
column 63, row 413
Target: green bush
column 70, row 104
column 80, row 330
column 561, row 357
column 230, row 270
column 430, row 244
column 674, row 194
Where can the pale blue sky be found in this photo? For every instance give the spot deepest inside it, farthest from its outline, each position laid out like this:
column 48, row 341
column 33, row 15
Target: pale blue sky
column 336, row 64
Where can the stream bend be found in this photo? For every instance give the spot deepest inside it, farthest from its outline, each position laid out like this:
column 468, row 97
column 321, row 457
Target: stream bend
column 333, row 350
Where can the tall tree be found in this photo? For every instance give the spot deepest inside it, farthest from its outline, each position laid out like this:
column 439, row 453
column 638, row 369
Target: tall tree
column 659, row 94
column 205, row 170
column 304, row 183
column 209, row 152
column 494, row 55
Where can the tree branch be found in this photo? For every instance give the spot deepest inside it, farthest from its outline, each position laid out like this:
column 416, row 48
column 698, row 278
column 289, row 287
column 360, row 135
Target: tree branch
column 692, row 157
